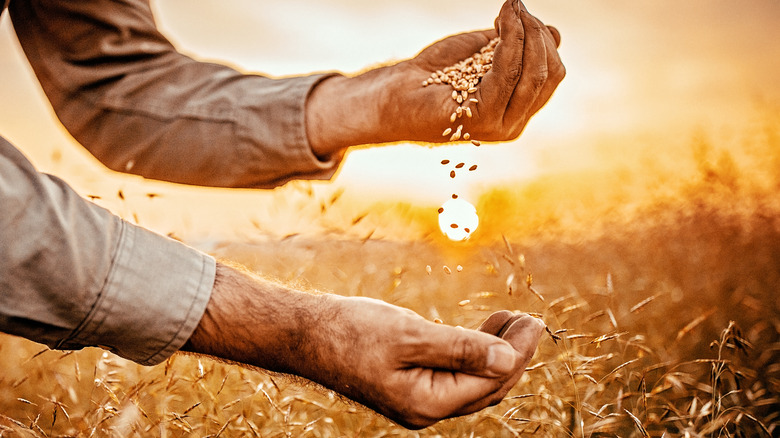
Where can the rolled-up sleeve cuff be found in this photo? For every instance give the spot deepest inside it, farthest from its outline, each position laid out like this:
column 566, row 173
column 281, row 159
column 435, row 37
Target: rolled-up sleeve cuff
column 153, row 298
column 280, row 117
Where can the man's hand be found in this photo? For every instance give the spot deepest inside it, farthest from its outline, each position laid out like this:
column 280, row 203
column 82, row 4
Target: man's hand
column 414, row 371
column 390, row 359
column 389, row 104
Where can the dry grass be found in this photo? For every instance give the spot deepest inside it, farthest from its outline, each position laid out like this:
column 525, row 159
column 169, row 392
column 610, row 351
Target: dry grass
column 659, row 288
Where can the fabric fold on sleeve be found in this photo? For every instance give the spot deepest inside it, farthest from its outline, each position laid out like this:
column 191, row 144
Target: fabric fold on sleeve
column 73, row 275
column 152, row 301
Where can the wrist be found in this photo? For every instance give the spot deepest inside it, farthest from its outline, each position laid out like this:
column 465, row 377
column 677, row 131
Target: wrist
column 344, row 111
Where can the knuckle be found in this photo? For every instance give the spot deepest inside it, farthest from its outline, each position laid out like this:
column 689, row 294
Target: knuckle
column 464, row 354
column 540, row 77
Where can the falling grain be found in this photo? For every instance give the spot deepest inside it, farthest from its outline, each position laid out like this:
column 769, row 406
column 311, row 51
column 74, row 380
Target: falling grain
column 642, row 304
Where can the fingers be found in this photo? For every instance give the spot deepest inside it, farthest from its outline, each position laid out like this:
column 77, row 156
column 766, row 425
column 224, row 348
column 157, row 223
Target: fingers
column 555, row 73
column 495, row 322
column 455, row 372
column 503, row 77
column 555, row 34
column 520, row 81
column 523, row 334
column 464, row 351
column 533, row 75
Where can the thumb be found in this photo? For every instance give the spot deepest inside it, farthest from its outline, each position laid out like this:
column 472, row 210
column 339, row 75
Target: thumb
column 465, row 351
column 523, row 333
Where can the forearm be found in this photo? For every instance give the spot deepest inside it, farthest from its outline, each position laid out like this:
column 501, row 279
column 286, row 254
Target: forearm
column 124, row 92
column 256, row 321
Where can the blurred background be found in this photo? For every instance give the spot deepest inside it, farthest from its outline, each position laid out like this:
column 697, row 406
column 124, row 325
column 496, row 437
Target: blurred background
column 642, row 78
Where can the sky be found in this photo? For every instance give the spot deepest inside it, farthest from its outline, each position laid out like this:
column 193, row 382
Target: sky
column 645, row 70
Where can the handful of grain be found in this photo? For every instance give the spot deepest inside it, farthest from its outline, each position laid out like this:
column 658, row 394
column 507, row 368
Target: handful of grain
column 464, row 77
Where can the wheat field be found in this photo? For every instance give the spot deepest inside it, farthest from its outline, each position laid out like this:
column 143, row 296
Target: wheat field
column 658, row 279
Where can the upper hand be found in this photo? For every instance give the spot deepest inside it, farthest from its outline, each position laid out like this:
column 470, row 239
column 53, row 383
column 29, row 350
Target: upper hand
column 525, row 72
column 390, row 104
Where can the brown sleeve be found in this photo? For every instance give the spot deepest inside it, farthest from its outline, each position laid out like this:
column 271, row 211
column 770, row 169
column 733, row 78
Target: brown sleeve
column 124, row 92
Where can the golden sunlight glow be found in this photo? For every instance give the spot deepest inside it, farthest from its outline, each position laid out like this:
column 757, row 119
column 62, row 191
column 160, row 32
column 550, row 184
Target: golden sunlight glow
column 458, row 219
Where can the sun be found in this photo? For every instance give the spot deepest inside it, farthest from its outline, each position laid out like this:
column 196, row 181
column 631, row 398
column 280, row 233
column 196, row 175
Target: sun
column 458, row 219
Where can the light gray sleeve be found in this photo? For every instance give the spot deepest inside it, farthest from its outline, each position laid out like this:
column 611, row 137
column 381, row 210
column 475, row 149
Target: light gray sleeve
column 74, row 275
column 139, row 106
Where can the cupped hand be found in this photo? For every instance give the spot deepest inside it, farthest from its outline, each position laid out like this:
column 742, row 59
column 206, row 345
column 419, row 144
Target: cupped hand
column 389, row 104
column 525, row 72
column 414, row 371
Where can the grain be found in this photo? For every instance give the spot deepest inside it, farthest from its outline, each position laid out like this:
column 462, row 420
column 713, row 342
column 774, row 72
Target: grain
column 464, row 76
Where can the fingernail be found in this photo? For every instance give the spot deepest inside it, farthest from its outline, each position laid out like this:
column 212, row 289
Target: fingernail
column 500, row 359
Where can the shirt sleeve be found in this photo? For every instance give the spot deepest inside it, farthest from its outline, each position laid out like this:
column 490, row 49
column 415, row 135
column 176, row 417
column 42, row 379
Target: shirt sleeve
column 74, row 275
column 125, row 93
